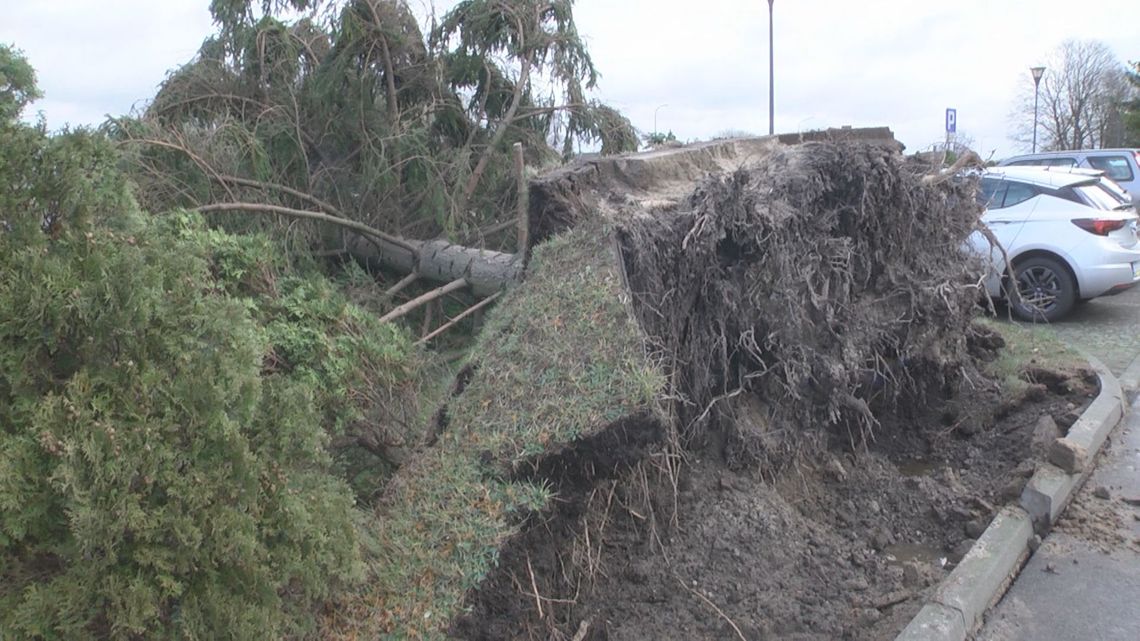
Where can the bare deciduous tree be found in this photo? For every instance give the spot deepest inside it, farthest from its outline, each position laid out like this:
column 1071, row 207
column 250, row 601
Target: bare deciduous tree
column 1082, row 96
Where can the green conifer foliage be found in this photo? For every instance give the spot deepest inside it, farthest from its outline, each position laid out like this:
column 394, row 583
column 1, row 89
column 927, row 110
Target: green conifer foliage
column 156, row 480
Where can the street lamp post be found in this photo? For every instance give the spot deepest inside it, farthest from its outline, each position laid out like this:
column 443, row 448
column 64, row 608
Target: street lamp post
column 771, row 76
column 659, row 108
column 1037, row 73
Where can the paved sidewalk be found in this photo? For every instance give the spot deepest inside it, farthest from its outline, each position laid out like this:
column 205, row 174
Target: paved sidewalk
column 1083, row 584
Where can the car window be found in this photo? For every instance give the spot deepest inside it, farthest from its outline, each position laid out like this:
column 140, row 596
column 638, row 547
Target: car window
column 1068, row 193
column 991, row 193
column 1114, row 167
column 1097, row 196
column 1018, row 193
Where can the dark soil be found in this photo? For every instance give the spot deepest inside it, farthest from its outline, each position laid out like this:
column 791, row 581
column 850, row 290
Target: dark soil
column 845, row 547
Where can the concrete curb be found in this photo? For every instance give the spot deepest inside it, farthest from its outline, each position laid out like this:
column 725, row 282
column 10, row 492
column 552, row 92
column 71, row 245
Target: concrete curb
column 955, row 611
column 1050, row 489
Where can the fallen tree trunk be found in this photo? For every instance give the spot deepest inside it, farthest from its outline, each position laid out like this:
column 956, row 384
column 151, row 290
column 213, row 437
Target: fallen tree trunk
column 439, row 260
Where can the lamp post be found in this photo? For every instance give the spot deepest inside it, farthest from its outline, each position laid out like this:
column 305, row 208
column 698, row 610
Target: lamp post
column 1037, row 73
column 659, row 108
column 771, row 76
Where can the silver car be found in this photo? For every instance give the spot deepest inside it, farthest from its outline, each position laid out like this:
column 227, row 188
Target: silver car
column 1121, row 166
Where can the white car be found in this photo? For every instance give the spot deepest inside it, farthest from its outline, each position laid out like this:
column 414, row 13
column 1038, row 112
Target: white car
column 1070, row 235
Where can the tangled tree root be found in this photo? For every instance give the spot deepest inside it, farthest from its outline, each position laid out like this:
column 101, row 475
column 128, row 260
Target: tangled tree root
column 797, row 299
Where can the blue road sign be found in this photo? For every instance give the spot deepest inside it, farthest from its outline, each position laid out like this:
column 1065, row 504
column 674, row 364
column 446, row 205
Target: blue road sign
column 951, row 121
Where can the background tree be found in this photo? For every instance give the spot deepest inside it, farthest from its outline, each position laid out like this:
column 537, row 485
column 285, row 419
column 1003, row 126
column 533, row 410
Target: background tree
column 1082, row 95
column 1132, row 111
column 949, row 151
column 17, row 83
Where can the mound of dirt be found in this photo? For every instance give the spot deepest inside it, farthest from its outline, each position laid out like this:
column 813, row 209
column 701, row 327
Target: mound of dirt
column 846, row 546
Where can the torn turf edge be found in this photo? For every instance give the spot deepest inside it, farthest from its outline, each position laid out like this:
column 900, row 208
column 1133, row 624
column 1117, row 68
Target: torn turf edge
column 955, row 610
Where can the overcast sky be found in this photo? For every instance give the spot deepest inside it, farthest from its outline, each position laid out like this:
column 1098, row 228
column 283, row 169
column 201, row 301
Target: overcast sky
column 899, row 63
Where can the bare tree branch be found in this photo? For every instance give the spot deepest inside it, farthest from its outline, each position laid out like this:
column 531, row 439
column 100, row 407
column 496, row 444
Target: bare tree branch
column 453, row 322
column 312, row 215
column 1081, row 97
column 411, row 305
column 284, row 189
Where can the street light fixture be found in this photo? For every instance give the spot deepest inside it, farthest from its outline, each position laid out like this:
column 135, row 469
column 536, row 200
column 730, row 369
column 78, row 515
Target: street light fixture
column 1037, row 73
column 771, row 76
column 659, row 108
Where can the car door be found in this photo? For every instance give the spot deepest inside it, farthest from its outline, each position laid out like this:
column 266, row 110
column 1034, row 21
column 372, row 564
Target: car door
column 1010, row 205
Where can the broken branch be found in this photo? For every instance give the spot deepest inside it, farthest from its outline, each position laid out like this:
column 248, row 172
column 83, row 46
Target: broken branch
column 411, row 305
column 404, row 282
column 312, row 215
column 237, row 180
column 524, row 219
column 467, row 312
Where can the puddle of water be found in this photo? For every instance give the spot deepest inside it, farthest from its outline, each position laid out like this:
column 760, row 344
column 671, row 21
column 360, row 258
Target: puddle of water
column 918, row 467
column 900, row 553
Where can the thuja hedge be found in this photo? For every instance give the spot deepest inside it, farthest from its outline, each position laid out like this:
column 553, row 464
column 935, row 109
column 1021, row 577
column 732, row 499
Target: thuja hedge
column 156, row 479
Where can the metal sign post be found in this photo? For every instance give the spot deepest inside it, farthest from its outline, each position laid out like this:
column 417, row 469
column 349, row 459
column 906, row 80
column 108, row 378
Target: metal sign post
column 951, row 126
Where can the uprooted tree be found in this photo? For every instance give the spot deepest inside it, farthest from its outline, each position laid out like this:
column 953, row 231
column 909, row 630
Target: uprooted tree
column 167, row 381
column 352, row 114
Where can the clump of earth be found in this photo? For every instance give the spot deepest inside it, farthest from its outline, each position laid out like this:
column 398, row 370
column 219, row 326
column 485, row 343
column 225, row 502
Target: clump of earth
column 846, row 546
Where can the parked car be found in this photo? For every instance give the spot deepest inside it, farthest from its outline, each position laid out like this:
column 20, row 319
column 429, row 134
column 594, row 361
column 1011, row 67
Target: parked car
column 1121, row 166
column 1069, row 236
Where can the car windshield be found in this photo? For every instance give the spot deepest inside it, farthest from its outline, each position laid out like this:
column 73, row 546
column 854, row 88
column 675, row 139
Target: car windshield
column 1100, row 196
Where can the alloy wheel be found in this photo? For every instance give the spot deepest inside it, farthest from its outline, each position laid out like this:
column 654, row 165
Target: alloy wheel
column 1039, row 287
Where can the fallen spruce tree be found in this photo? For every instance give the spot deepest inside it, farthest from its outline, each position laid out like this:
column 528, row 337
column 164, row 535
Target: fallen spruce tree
column 782, row 304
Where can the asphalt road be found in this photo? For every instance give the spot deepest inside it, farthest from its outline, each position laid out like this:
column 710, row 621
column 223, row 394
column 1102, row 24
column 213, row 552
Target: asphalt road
column 1083, row 584
column 1108, row 328
column 1084, row 581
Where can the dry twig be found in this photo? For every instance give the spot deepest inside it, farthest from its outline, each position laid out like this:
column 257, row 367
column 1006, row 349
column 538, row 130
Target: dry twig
column 453, row 322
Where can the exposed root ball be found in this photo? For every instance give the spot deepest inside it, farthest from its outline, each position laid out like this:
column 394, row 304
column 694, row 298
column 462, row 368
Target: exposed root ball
column 813, row 291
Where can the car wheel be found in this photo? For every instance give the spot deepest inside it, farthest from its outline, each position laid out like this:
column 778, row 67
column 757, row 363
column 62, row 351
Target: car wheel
column 1044, row 292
